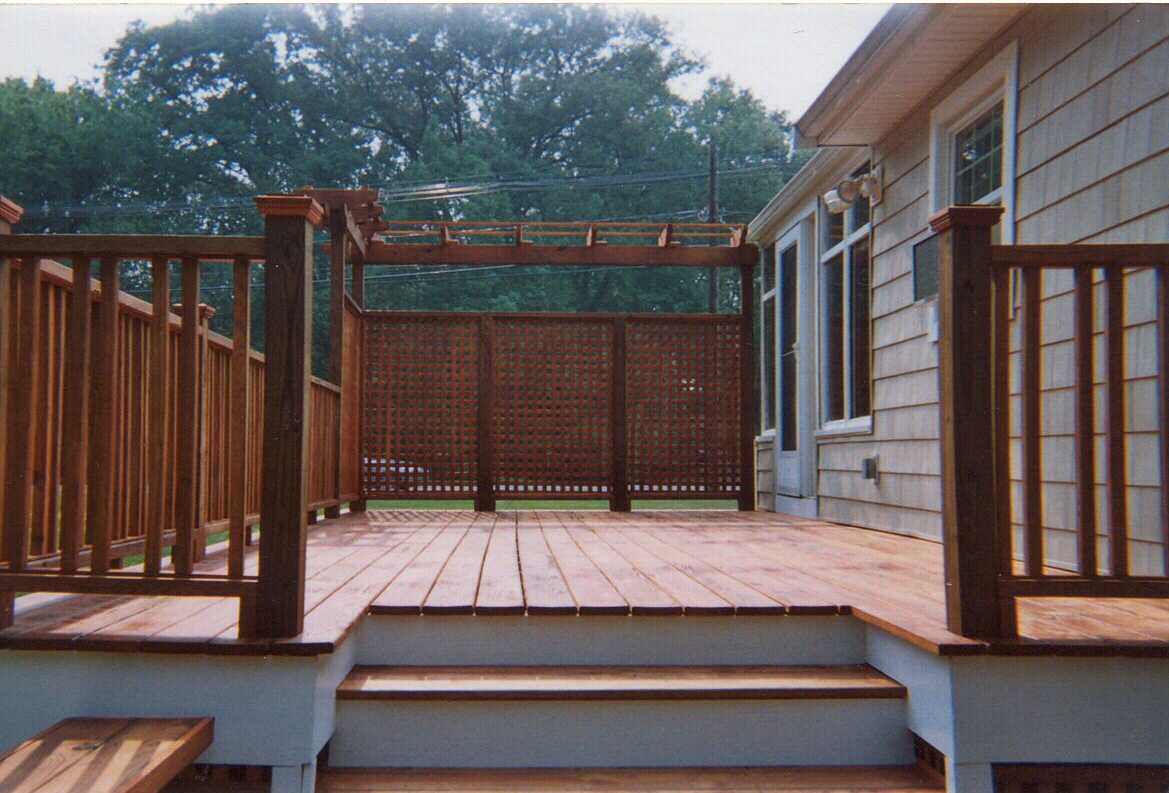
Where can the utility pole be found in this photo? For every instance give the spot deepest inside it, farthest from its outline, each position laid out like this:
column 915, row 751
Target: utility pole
column 712, row 217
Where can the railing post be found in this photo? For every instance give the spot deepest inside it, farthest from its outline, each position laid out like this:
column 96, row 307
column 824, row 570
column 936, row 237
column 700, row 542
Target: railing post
column 288, row 266
column 10, row 214
column 619, row 500
column 748, row 398
column 485, row 484
column 968, row 403
column 338, row 259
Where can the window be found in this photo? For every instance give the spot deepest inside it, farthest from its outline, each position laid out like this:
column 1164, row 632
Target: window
column 845, row 335
column 925, row 268
column 788, row 339
column 767, row 332
column 978, row 159
column 972, row 142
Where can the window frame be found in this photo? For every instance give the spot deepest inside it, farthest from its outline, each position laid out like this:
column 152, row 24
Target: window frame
column 849, row 424
column 766, row 390
column 994, row 83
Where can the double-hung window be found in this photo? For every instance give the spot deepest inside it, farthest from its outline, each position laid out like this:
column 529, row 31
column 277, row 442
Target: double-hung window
column 845, row 342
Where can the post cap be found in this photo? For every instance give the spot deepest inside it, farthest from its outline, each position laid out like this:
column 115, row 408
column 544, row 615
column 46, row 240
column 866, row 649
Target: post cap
column 965, row 215
column 10, row 211
column 298, row 206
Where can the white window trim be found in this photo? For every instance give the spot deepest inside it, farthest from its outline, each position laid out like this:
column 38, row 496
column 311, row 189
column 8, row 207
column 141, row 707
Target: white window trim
column 767, row 389
column 861, row 425
column 997, row 81
column 857, row 424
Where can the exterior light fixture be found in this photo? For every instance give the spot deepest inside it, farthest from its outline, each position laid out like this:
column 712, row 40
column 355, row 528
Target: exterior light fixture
column 849, row 190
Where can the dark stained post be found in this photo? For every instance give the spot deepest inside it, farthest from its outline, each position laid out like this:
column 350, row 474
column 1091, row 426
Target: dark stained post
column 485, row 484
column 338, row 259
column 241, row 411
column 619, row 500
column 288, row 240
column 969, row 400
column 10, row 214
column 748, row 399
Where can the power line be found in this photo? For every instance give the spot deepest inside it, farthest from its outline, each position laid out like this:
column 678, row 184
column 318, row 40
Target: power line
column 429, row 192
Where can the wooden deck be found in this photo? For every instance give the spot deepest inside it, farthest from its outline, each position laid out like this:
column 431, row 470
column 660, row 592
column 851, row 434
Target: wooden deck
column 706, row 563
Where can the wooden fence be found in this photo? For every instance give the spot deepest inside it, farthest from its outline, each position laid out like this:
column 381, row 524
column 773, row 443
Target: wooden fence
column 991, row 370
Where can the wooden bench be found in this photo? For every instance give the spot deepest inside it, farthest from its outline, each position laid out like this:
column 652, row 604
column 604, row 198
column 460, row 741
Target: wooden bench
column 105, row 755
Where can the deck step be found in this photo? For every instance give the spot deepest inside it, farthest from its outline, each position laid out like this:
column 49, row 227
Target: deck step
column 618, row 717
column 105, row 755
column 617, row 682
column 902, row 779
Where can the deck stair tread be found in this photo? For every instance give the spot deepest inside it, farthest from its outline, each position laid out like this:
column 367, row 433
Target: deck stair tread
column 105, row 755
column 617, row 682
column 887, row 779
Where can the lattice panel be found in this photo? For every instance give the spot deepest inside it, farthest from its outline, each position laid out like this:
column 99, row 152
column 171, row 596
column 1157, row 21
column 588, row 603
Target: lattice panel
column 683, row 402
column 419, row 411
column 553, row 383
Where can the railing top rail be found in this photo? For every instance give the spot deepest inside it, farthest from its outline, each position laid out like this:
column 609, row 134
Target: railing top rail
column 205, row 248
column 1067, row 256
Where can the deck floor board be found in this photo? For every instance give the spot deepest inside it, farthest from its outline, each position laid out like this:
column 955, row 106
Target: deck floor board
column 569, row 562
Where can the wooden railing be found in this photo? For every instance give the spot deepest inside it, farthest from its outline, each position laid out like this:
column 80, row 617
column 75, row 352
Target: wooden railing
column 129, row 429
column 993, row 385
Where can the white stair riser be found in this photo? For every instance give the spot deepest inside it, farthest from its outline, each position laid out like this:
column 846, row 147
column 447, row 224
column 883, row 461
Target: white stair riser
column 543, row 640
column 567, row 734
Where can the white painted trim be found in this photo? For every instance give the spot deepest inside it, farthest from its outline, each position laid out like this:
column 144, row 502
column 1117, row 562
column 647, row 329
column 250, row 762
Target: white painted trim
column 861, row 425
column 997, row 81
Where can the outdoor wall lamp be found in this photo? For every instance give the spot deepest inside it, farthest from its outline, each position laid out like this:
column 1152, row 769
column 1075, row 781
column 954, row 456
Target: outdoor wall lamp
column 847, row 192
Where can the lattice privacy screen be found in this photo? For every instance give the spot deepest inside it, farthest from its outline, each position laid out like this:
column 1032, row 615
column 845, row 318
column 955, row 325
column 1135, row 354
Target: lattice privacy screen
column 421, row 396
column 552, row 417
column 683, row 407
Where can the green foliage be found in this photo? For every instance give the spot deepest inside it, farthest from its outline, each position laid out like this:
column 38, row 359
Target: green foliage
column 192, row 119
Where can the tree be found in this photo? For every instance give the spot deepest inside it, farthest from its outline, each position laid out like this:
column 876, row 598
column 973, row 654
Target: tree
column 538, row 112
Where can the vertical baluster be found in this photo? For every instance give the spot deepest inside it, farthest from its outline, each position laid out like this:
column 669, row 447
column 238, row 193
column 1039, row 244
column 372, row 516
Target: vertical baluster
column 75, row 411
column 1031, row 431
column 240, row 415
column 1114, row 343
column 22, row 413
column 187, row 440
column 1085, row 424
column 42, row 457
column 160, row 384
column 1163, row 406
column 103, row 446
column 203, row 470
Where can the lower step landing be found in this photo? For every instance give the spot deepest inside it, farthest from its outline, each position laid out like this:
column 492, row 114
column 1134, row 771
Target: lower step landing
column 619, row 717
column 892, row 779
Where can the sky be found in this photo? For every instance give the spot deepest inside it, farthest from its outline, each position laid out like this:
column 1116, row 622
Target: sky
column 785, row 53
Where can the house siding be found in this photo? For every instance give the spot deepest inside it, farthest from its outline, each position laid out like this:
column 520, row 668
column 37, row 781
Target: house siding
column 1092, row 165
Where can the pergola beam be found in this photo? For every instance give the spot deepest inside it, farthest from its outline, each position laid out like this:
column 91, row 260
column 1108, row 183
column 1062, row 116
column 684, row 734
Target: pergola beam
column 568, row 255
